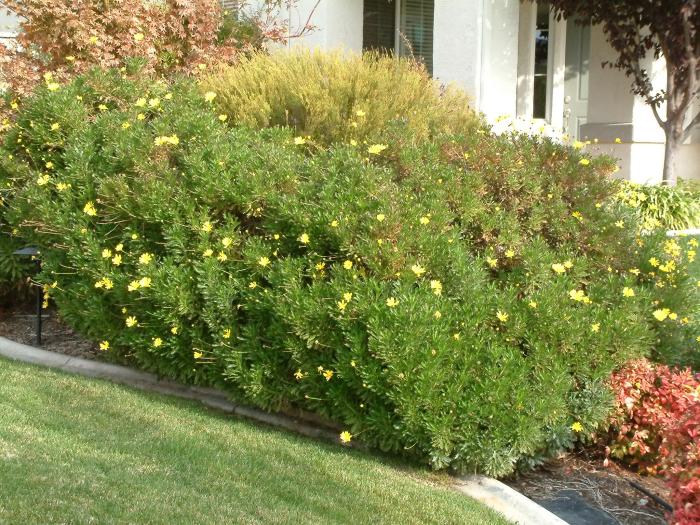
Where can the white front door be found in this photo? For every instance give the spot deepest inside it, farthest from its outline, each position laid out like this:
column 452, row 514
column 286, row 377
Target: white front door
column 578, row 51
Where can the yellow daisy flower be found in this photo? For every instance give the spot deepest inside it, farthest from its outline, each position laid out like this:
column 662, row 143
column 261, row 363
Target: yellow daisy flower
column 89, row 209
column 417, row 269
column 558, row 268
column 376, row 149
column 661, row 314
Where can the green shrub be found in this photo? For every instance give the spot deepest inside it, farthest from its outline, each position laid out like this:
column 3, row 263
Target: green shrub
column 665, row 207
column 336, row 97
column 13, row 270
column 459, row 300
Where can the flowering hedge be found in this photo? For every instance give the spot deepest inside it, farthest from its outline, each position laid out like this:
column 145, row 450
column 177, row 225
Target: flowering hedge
column 461, row 299
column 656, row 427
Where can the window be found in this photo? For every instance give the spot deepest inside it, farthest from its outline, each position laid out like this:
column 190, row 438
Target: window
column 417, row 30
column 414, row 36
column 539, row 106
column 379, row 25
column 230, row 6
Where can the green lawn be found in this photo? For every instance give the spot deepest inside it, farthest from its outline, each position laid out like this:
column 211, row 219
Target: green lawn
column 74, row 450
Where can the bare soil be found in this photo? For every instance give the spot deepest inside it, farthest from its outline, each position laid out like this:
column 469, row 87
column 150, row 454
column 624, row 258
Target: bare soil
column 19, row 324
column 605, row 488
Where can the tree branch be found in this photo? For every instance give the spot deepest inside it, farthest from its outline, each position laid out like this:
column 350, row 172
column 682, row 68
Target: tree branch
column 307, row 24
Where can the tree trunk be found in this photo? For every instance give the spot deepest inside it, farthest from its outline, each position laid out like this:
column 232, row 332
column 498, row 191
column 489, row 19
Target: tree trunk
column 673, row 142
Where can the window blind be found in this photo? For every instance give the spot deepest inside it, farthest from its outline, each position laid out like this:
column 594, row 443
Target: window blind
column 417, row 17
column 230, row 5
column 379, row 25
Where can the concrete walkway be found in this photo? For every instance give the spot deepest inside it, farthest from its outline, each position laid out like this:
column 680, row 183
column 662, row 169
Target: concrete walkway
column 491, row 492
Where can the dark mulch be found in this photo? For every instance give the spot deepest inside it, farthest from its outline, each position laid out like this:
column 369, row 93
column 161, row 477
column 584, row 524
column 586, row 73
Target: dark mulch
column 19, row 324
column 604, row 488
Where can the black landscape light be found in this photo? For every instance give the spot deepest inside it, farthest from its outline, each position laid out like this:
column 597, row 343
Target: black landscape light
column 33, row 252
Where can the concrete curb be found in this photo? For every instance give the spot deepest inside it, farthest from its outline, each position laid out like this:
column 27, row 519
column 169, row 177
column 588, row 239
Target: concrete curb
column 679, row 233
column 509, row 502
column 492, row 493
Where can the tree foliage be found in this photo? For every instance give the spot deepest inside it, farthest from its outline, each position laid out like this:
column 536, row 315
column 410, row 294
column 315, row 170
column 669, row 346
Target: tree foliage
column 67, row 37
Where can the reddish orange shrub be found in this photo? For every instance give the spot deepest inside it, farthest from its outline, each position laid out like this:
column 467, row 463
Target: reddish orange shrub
column 67, row 37
column 680, row 456
column 656, row 428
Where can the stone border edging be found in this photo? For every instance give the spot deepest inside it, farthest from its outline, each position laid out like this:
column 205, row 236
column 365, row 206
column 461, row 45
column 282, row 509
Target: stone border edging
column 681, row 233
column 506, row 500
column 488, row 491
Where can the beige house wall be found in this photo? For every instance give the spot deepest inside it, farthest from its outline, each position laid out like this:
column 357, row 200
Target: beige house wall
column 614, row 112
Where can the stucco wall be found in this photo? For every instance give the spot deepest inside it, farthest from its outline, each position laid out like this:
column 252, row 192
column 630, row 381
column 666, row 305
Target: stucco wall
column 457, row 44
column 499, row 57
column 337, row 24
column 614, row 112
column 8, row 24
column 344, row 22
column 476, row 47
